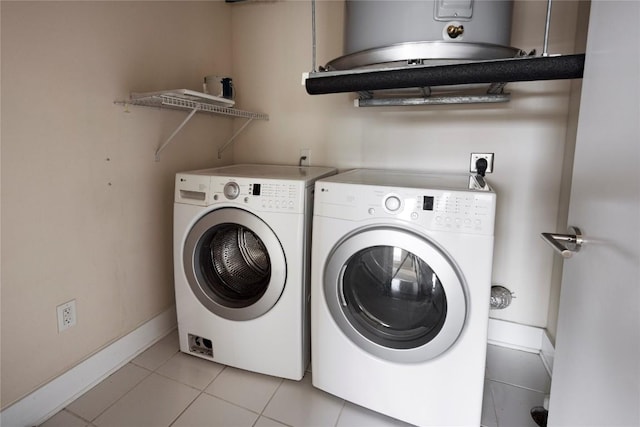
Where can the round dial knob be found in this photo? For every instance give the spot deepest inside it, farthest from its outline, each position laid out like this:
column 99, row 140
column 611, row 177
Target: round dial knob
column 392, row 203
column 231, row 190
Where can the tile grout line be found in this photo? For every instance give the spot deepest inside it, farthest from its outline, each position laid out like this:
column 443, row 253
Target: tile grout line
column 493, row 405
column 282, row 380
column 344, row 403
column 155, row 371
column 261, row 414
column 201, row 392
column 186, row 407
column 518, row 386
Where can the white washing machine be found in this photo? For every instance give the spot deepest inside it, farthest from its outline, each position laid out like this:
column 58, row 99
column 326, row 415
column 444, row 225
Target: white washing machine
column 400, row 290
column 242, row 265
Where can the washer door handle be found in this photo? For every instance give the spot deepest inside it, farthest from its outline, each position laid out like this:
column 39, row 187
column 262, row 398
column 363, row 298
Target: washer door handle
column 565, row 244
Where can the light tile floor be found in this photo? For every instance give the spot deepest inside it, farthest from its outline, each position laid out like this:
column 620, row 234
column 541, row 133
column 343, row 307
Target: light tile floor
column 164, row 387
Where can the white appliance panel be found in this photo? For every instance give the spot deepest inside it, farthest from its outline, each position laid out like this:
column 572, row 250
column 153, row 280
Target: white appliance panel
column 274, row 341
column 441, row 389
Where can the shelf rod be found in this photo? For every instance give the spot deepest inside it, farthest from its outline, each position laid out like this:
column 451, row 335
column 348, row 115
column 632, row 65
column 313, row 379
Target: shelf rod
column 224, row 147
column 175, row 132
column 547, row 24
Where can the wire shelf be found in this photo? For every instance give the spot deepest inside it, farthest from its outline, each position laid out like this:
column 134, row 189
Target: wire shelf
column 194, row 102
column 177, row 102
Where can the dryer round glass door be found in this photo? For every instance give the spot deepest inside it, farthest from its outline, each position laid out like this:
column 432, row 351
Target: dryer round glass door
column 234, row 263
column 395, row 294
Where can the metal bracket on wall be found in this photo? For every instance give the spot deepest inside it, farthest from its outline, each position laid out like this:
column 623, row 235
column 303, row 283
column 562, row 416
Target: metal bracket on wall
column 174, row 133
column 424, row 96
column 174, row 101
column 236, row 133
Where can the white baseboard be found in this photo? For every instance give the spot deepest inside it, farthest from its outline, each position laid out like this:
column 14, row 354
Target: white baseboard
column 547, row 353
column 52, row 397
column 515, row 335
column 522, row 337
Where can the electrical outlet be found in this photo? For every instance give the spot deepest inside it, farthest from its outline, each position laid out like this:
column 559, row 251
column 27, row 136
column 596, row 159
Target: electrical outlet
column 66, row 315
column 305, row 157
column 476, row 156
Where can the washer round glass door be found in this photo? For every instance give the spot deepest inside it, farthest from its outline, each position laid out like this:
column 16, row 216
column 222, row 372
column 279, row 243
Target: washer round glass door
column 235, row 264
column 395, row 294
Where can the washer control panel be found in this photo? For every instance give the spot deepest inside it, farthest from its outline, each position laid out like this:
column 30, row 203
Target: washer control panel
column 261, row 194
column 448, row 210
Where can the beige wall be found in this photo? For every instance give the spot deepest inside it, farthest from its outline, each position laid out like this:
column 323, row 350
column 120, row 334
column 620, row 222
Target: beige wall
column 86, row 211
column 527, row 134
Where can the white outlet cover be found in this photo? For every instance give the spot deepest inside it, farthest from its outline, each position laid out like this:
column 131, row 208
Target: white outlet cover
column 474, row 158
column 66, row 315
column 305, row 157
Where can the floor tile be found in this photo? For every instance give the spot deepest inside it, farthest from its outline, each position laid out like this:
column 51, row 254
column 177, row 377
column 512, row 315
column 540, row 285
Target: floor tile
column 517, row 368
column 135, row 396
column 213, row 412
column 159, row 353
column 266, row 422
column 64, row 419
column 247, row 389
column 155, row 402
column 299, row 404
column 358, row 416
column 95, row 401
column 191, row 370
column 513, row 404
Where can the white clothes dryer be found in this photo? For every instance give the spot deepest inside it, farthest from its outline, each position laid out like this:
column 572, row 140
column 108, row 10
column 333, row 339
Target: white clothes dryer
column 400, row 289
column 242, row 265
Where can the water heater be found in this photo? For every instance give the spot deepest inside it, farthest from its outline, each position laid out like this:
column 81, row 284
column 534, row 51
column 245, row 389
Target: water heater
column 409, row 32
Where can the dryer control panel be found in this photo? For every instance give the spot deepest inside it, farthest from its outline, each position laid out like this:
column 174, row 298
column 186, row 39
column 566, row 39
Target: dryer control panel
column 445, row 210
column 458, row 211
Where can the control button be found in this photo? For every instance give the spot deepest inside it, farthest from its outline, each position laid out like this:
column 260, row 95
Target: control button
column 246, row 200
column 478, row 222
column 392, row 203
column 414, row 215
column 231, row 190
column 372, row 211
column 215, row 197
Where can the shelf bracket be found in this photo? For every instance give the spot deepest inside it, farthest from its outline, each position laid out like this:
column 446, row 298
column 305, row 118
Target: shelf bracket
column 175, row 132
column 236, row 133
